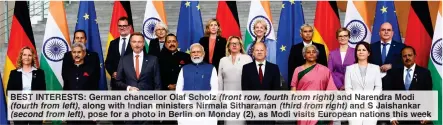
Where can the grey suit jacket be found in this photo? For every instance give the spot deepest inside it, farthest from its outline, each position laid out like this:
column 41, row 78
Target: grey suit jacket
column 354, row 81
column 149, row 74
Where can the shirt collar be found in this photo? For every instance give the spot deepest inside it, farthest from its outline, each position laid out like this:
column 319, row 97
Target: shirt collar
column 412, row 67
column 304, row 43
column 121, row 37
column 256, row 63
column 140, row 54
column 32, row 69
column 386, row 42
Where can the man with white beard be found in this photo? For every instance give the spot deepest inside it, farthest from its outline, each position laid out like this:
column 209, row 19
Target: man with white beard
column 197, row 76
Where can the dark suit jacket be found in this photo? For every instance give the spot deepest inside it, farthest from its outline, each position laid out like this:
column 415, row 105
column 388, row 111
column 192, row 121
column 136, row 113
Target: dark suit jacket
column 219, row 50
column 393, row 57
column 170, row 66
column 83, row 77
column 113, row 57
column 149, row 74
column 250, row 80
column 38, row 80
column 421, row 80
column 154, row 47
column 296, row 58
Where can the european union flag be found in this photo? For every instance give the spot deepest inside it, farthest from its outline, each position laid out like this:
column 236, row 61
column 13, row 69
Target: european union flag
column 385, row 12
column 190, row 26
column 87, row 21
column 291, row 19
column 3, row 111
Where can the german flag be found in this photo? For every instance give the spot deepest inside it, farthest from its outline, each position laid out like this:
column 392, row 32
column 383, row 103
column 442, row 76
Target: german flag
column 419, row 31
column 121, row 9
column 227, row 15
column 326, row 23
column 21, row 36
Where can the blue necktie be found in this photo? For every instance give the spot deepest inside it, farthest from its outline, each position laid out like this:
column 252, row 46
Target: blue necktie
column 408, row 79
column 383, row 52
column 123, row 49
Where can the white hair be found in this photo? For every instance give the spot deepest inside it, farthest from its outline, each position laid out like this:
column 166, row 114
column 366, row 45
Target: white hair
column 79, row 44
column 304, row 26
column 307, row 46
column 197, row 45
column 161, row 25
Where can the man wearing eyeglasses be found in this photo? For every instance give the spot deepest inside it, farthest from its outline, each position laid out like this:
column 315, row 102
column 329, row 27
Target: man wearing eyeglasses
column 118, row 48
column 156, row 45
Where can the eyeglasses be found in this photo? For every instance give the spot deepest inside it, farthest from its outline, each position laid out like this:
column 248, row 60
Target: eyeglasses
column 123, row 26
column 343, row 36
column 234, row 44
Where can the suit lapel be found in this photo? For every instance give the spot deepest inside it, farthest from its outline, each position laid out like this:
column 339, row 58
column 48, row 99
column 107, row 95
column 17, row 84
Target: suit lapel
column 391, row 50
column 348, row 56
column 402, row 79
column 267, row 73
column 132, row 65
column 255, row 73
column 144, row 64
column 377, row 52
column 359, row 77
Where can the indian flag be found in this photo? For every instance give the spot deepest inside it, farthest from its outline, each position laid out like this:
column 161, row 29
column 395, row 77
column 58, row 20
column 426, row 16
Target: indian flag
column 357, row 21
column 55, row 45
column 435, row 61
column 259, row 10
column 154, row 13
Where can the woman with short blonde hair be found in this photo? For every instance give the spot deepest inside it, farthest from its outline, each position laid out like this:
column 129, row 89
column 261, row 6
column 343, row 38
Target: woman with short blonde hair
column 260, row 31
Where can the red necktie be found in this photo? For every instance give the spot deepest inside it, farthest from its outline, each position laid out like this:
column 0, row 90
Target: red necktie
column 137, row 72
column 260, row 73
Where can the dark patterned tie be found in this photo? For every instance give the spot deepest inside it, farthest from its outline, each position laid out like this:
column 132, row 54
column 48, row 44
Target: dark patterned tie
column 123, row 49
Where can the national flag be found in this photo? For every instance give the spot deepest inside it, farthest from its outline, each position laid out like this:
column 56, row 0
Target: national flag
column 3, row 106
column 55, row 45
column 261, row 10
column 154, row 13
column 190, row 26
column 326, row 23
column 357, row 21
column 21, row 36
column 227, row 15
column 87, row 21
column 385, row 12
column 435, row 62
column 419, row 31
column 121, row 9
column 291, row 19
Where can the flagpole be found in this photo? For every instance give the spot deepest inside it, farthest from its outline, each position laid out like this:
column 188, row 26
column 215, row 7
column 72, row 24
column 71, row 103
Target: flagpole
column 6, row 22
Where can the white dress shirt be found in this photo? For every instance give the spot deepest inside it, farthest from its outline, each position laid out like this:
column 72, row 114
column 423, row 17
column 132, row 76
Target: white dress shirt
column 27, row 78
column 387, row 46
column 304, row 43
column 342, row 55
column 120, row 44
column 140, row 63
column 411, row 73
column 262, row 67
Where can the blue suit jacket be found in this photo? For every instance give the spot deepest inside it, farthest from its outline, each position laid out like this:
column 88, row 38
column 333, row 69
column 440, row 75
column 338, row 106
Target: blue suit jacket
column 393, row 57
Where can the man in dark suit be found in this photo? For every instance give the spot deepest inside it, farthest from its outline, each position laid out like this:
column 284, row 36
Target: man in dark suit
column 260, row 75
column 88, row 57
column 156, row 45
column 81, row 74
column 296, row 58
column 171, row 61
column 118, row 48
column 138, row 70
column 410, row 77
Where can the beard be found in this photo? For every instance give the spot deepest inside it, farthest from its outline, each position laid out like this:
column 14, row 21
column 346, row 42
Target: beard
column 197, row 59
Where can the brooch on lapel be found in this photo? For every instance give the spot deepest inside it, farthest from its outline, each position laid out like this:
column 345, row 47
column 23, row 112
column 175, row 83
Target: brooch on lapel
column 182, row 62
column 34, row 75
column 85, row 74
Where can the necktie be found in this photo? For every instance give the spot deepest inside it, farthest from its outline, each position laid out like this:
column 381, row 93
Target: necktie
column 123, row 49
column 260, row 73
column 137, row 72
column 408, row 79
column 383, row 52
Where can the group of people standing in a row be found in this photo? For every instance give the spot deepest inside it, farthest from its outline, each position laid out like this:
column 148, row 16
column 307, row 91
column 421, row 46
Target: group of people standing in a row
column 216, row 63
